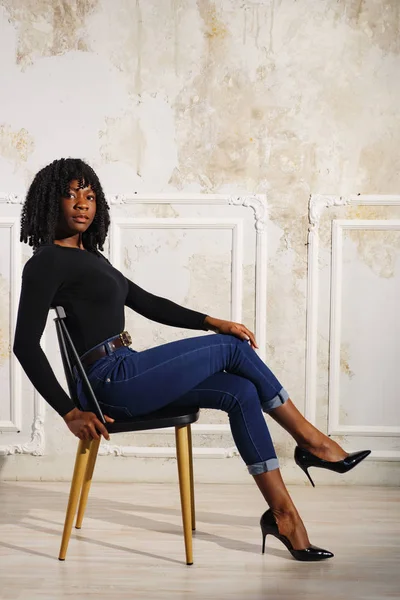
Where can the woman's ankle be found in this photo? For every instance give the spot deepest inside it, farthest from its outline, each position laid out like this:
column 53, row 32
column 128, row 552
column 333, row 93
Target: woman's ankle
column 291, row 526
column 310, row 438
column 285, row 512
column 323, row 447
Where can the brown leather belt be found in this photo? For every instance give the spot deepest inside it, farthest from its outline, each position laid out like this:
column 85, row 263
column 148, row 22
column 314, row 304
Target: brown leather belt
column 123, row 339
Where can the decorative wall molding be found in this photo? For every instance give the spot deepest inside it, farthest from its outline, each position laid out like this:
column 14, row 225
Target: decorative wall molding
column 164, row 452
column 14, row 422
column 199, row 428
column 170, row 451
column 235, row 225
column 36, row 444
column 318, row 204
column 334, row 425
column 11, row 198
column 258, row 206
column 257, row 202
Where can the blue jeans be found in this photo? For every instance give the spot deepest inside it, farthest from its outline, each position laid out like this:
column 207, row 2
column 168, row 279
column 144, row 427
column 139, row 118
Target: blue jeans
column 212, row 371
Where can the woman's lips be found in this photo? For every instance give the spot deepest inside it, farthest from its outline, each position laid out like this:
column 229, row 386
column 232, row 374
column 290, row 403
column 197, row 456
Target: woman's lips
column 80, row 219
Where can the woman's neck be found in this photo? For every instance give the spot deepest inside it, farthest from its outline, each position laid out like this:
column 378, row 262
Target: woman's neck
column 74, row 241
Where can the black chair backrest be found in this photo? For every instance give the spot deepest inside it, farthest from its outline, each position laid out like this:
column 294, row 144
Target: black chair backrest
column 70, row 359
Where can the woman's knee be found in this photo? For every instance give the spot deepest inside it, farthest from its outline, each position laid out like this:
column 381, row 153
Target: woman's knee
column 243, row 396
column 224, row 338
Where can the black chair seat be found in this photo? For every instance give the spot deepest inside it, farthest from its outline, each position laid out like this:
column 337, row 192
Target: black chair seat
column 166, row 417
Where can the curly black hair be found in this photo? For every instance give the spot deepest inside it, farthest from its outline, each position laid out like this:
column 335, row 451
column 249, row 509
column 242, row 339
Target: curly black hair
column 41, row 209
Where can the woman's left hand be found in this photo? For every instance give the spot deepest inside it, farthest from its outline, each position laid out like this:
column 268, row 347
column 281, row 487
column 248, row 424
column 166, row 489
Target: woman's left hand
column 231, row 328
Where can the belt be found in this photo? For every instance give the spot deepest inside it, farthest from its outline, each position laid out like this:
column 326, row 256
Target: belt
column 119, row 341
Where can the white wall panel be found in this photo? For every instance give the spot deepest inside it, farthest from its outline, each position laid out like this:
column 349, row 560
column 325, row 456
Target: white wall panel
column 353, row 317
column 226, row 233
column 211, row 239
column 363, row 397
column 10, row 407
column 21, row 408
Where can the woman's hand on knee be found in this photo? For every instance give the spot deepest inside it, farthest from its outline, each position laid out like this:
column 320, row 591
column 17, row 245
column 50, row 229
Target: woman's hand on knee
column 85, row 425
column 231, row 328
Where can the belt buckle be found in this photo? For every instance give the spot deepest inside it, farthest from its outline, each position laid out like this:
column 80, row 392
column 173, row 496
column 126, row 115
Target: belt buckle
column 125, row 338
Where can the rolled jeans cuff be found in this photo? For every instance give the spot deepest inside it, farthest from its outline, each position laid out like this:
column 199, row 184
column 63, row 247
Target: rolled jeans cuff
column 276, row 401
column 263, row 467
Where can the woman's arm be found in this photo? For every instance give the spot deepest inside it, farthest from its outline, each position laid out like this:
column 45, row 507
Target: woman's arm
column 40, row 282
column 162, row 310
column 167, row 312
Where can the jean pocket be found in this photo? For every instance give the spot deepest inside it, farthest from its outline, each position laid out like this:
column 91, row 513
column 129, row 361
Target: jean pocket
column 100, row 369
column 120, row 413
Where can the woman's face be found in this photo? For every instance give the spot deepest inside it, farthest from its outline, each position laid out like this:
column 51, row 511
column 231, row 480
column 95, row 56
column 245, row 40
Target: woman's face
column 78, row 210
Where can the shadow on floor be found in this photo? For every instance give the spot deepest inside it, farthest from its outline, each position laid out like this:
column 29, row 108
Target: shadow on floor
column 31, row 499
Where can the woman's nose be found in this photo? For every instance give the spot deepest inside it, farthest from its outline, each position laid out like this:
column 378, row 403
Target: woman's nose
column 82, row 205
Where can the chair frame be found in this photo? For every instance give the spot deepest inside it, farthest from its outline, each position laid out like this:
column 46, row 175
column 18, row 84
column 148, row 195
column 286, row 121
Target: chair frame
column 88, row 450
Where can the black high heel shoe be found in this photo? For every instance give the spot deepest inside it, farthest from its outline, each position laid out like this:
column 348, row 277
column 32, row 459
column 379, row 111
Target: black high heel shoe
column 305, row 459
column 269, row 527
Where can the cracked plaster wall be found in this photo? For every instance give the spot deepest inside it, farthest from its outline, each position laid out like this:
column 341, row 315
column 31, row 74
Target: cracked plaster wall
column 276, row 96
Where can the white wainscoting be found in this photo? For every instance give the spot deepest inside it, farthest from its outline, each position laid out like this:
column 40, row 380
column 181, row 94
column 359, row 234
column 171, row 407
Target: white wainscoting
column 234, row 225
column 334, row 425
column 28, row 437
column 256, row 211
column 317, row 207
column 34, row 443
column 11, row 255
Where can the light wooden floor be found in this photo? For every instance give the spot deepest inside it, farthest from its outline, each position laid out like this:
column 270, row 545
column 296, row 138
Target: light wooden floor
column 131, row 545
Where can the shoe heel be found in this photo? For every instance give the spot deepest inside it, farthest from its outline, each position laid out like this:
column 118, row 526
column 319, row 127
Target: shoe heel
column 305, row 469
column 263, row 543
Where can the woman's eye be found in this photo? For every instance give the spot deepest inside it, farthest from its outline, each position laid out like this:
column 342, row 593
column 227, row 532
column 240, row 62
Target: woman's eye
column 90, row 197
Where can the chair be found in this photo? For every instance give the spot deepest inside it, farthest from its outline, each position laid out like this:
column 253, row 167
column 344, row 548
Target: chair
column 180, row 418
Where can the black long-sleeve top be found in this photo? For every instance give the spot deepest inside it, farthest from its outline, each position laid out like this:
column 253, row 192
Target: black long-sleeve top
column 93, row 294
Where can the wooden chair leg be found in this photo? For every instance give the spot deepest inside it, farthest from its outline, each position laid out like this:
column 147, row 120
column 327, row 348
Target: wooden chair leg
column 182, row 455
column 82, row 456
column 191, row 479
column 87, row 480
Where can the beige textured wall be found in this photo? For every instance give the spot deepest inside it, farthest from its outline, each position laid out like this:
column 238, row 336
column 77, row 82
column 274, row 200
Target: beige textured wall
column 279, row 96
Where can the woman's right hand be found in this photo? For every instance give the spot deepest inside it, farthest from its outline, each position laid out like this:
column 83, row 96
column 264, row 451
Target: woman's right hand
column 85, row 425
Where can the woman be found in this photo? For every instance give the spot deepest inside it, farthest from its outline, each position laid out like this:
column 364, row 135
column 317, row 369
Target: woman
column 65, row 218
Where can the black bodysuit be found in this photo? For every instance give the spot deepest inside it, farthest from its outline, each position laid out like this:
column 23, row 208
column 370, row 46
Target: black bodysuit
column 93, row 294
